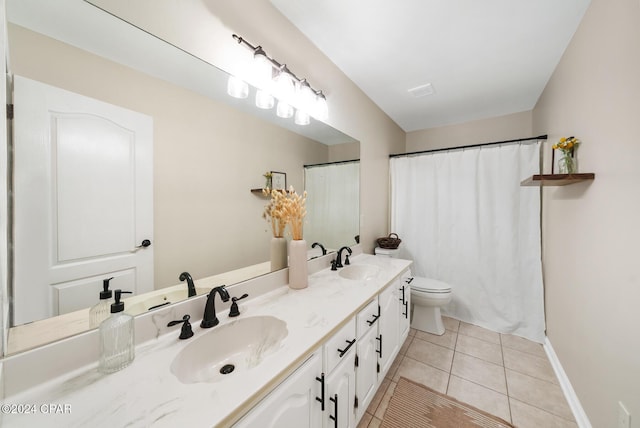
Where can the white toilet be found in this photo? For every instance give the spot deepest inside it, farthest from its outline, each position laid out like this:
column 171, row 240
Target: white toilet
column 427, row 297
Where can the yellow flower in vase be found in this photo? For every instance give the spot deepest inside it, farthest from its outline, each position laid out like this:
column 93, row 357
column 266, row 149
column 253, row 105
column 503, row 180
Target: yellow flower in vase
column 567, row 163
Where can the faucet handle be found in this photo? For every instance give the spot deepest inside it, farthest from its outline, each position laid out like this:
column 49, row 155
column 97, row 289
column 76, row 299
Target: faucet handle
column 234, row 311
column 346, row 260
column 334, row 264
column 186, row 331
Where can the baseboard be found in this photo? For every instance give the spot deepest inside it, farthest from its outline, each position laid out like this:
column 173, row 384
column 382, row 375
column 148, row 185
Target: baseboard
column 574, row 403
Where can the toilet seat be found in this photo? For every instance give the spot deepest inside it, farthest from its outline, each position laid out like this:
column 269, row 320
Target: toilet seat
column 429, row 285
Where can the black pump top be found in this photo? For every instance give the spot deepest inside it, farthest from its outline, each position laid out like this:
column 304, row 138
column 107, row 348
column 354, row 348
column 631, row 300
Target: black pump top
column 106, row 293
column 118, row 306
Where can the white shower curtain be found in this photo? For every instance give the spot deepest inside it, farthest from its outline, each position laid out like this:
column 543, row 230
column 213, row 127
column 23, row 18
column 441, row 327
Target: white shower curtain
column 464, row 219
column 333, row 204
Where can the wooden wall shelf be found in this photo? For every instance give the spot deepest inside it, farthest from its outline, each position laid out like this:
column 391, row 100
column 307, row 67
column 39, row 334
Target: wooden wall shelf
column 260, row 193
column 557, row 179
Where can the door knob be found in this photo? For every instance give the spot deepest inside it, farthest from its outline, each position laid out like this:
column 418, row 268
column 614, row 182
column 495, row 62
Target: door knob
column 145, row 243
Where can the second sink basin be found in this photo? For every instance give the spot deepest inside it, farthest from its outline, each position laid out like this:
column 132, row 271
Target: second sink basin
column 228, row 349
column 359, row 272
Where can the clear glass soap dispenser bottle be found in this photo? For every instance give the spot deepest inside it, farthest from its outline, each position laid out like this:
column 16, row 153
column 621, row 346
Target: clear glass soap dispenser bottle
column 100, row 311
column 117, row 338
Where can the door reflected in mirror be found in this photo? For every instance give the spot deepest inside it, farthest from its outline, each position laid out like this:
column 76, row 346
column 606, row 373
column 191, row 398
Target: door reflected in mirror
column 208, row 151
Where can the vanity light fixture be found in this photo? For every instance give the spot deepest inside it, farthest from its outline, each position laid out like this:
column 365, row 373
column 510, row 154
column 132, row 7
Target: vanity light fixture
column 295, row 96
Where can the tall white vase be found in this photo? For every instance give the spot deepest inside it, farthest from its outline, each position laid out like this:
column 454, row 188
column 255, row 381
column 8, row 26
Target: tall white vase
column 298, row 273
column 278, row 254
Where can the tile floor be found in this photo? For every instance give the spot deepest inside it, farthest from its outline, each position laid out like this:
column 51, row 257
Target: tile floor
column 501, row 374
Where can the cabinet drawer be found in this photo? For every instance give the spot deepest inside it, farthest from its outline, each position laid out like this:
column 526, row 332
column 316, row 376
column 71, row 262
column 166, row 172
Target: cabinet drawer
column 368, row 317
column 340, row 345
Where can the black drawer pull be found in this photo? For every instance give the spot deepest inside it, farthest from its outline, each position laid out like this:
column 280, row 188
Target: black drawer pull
column 379, row 339
column 406, row 310
column 341, row 352
column 321, row 399
column 408, row 280
column 335, row 409
column 375, row 318
column 402, row 299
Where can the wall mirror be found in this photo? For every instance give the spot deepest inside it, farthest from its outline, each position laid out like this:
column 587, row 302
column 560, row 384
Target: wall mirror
column 207, row 151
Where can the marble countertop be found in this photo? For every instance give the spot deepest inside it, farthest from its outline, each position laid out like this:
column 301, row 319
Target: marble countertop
column 147, row 394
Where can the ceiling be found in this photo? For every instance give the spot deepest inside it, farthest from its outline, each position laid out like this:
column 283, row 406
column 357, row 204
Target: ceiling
column 482, row 58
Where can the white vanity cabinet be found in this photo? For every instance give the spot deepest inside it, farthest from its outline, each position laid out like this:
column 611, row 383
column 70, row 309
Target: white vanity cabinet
column 295, row 403
column 404, row 291
column 366, row 356
column 339, row 361
column 388, row 340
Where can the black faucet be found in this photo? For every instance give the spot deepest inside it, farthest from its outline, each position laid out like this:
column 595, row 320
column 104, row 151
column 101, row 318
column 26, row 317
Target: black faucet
column 209, row 319
column 317, row 244
column 339, row 256
column 190, row 286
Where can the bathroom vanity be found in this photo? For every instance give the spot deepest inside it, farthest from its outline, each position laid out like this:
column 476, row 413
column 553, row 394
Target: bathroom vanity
column 313, row 357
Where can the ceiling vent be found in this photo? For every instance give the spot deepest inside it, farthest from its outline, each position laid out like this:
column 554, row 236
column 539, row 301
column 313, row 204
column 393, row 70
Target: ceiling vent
column 422, row 91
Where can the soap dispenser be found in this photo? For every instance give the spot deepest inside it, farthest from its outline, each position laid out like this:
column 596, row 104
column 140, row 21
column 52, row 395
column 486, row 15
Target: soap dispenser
column 100, row 311
column 117, row 338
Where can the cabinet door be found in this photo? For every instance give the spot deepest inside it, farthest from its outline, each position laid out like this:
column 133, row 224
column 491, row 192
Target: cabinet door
column 405, row 306
column 387, row 346
column 341, row 392
column 293, row 403
column 366, row 371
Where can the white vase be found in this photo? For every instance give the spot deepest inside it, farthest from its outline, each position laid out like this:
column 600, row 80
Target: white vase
column 298, row 273
column 278, row 254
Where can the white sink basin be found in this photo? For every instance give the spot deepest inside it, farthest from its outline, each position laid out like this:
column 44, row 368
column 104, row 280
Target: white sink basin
column 237, row 346
column 359, row 272
column 135, row 307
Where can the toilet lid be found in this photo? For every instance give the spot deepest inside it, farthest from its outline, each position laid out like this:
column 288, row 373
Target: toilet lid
column 429, row 285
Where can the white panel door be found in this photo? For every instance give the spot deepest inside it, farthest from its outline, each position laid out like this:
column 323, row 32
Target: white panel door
column 388, row 328
column 83, row 200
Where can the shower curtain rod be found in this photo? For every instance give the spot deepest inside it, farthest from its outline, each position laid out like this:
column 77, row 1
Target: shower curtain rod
column 399, row 155
column 330, row 163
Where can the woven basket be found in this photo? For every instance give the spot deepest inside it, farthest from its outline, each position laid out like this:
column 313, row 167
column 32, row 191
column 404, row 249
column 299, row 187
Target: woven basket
column 389, row 242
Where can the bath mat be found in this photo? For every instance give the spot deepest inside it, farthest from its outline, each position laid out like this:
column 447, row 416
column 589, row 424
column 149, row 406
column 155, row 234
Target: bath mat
column 416, row 406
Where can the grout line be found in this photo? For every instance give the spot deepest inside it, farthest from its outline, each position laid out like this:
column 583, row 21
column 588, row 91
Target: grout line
column 455, row 345
column 506, row 383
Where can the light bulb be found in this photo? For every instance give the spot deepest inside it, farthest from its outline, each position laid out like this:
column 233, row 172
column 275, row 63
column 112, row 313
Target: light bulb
column 262, row 69
column 285, row 89
column 306, row 96
column 264, row 100
column 320, row 109
column 237, row 87
column 301, row 118
column 284, row 110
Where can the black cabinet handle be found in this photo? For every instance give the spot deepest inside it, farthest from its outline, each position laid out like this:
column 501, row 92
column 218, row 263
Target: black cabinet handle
column 321, row 399
column 335, row 409
column 379, row 339
column 375, row 318
column 406, row 310
column 402, row 299
column 408, row 280
column 341, row 352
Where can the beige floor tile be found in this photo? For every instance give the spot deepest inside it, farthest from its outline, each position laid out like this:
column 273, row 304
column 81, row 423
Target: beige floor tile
column 483, row 398
column 384, row 403
column 375, row 423
column 479, row 333
column 429, row 353
column 480, row 349
column 422, row 373
column 405, row 345
column 529, row 364
column 526, row 416
column 412, row 332
column 538, row 393
column 451, row 323
column 523, row 345
column 479, row 371
column 364, row 421
column 375, row 402
column 448, row 339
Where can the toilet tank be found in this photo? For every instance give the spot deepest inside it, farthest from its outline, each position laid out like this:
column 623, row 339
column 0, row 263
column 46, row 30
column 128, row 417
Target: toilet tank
column 386, row 252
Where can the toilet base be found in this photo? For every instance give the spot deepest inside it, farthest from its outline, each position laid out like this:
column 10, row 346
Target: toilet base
column 427, row 319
